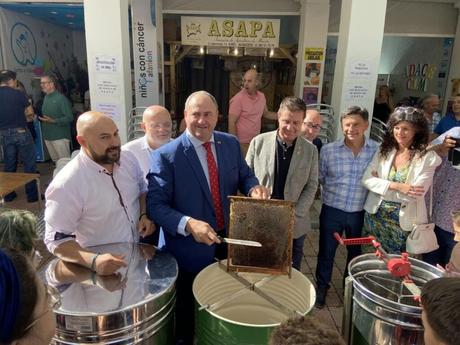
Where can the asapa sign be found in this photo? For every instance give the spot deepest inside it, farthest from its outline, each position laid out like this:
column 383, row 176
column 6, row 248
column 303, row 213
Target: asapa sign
column 230, row 32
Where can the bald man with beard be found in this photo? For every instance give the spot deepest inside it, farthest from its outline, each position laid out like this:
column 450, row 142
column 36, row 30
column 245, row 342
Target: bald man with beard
column 97, row 198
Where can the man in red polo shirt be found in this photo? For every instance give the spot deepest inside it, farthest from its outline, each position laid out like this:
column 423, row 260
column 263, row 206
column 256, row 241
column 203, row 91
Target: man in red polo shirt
column 246, row 110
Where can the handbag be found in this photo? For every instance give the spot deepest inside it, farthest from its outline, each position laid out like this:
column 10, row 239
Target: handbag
column 422, row 238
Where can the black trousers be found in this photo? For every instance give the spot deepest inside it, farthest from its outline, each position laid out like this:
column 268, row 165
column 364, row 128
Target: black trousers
column 185, row 301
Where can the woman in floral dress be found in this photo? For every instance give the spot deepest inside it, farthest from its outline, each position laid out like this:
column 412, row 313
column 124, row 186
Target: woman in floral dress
column 398, row 177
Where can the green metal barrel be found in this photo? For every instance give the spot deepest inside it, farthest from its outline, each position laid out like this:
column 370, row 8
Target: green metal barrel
column 237, row 315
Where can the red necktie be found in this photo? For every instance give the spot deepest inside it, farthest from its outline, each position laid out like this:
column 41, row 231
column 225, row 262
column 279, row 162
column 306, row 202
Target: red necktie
column 214, row 182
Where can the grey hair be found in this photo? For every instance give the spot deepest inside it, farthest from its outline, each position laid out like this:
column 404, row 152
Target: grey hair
column 201, row 92
column 18, row 230
column 426, row 98
column 52, row 78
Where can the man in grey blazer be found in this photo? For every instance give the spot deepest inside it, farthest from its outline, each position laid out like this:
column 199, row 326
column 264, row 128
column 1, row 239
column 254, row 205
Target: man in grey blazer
column 287, row 164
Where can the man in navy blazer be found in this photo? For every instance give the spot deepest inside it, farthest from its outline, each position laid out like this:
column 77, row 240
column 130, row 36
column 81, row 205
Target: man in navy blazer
column 180, row 201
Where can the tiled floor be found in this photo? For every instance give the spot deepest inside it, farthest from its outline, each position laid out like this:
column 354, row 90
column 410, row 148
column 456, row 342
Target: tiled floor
column 330, row 315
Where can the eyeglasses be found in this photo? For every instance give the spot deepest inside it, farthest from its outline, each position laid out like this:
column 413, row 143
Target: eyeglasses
column 407, row 110
column 312, row 126
column 45, row 82
column 155, row 125
column 54, row 301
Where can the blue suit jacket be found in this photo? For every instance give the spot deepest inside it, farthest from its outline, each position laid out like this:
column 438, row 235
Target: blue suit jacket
column 178, row 187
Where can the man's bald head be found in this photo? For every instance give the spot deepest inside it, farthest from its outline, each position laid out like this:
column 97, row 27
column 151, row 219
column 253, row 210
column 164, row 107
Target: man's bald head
column 152, row 111
column 157, row 124
column 250, row 81
column 311, row 125
column 91, row 120
column 251, row 73
column 98, row 136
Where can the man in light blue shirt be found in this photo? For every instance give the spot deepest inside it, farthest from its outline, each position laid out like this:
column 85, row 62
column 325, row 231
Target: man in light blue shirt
column 342, row 165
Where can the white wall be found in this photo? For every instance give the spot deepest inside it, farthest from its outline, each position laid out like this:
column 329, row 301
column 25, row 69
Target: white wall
column 421, row 18
column 276, row 6
column 409, row 17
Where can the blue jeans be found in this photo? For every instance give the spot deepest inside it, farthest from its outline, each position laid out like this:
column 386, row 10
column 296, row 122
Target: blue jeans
column 334, row 220
column 297, row 251
column 442, row 254
column 18, row 142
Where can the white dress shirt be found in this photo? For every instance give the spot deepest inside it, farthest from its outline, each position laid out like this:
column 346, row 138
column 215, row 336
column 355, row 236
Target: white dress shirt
column 84, row 203
column 201, row 153
column 141, row 149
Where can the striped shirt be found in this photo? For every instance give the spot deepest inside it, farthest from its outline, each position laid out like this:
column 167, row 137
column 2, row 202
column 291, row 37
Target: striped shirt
column 340, row 174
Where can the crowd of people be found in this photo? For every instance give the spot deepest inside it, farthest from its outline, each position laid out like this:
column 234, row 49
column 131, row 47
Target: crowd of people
column 173, row 192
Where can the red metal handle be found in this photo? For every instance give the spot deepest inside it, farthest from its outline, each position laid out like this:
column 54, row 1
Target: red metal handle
column 353, row 241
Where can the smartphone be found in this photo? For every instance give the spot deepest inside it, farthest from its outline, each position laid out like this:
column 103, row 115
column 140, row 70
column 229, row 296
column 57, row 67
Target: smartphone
column 454, row 152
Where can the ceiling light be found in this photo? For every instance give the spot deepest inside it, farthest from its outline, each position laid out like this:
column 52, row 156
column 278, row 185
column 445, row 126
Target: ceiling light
column 53, row 12
column 27, row 13
column 201, row 50
column 272, row 52
column 235, row 52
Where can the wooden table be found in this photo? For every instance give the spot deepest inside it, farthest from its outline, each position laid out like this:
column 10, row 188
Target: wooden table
column 9, row 182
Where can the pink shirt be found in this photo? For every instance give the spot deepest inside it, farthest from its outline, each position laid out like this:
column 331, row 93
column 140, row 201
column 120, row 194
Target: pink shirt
column 249, row 111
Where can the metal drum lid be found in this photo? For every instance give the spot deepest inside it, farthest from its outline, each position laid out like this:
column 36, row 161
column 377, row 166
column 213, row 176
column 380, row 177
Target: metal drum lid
column 372, row 279
column 150, row 273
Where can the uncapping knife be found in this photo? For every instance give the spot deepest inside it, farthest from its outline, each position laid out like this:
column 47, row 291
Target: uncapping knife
column 240, row 242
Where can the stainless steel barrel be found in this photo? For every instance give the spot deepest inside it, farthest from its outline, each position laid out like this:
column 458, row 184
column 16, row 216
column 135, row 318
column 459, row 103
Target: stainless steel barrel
column 136, row 306
column 231, row 312
column 379, row 308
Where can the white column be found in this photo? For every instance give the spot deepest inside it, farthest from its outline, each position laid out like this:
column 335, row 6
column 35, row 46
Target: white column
column 109, row 60
column 147, row 36
column 454, row 69
column 358, row 55
column 314, row 22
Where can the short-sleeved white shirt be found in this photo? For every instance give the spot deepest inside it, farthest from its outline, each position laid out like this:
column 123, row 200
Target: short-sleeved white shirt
column 85, row 201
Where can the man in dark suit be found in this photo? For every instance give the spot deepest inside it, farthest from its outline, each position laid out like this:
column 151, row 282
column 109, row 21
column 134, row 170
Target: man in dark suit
column 190, row 180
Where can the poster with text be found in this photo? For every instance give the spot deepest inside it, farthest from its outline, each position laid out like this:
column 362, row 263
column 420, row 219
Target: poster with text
column 314, row 54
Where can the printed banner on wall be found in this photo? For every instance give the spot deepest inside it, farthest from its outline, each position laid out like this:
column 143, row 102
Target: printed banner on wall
column 32, row 49
column 314, row 54
column 230, row 32
column 145, row 54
